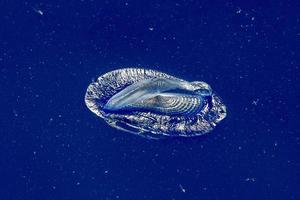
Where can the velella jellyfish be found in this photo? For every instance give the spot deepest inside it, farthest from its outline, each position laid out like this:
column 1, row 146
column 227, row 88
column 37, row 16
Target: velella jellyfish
column 154, row 104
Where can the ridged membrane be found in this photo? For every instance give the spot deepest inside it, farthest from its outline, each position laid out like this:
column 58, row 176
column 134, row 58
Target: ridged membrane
column 161, row 95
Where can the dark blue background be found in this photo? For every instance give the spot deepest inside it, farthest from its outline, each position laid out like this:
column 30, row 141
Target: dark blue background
column 53, row 147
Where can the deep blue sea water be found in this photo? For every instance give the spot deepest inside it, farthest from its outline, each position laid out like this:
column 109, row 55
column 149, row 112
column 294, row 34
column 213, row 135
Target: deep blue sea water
column 53, row 147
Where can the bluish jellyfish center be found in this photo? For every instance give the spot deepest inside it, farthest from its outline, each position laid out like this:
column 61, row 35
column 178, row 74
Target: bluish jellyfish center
column 159, row 95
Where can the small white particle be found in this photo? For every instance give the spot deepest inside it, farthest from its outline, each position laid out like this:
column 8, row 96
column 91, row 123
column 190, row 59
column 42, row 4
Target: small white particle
column 15, row 113
column 151, row 28
column 250, row 179
column 38, row 11
column 181, row 188
column 255, row 102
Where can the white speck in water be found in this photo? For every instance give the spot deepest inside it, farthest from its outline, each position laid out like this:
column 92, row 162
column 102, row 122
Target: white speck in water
column 250, row 179
column 255, row 102
column 239, row 10
column 182, row 189
column 38, row 11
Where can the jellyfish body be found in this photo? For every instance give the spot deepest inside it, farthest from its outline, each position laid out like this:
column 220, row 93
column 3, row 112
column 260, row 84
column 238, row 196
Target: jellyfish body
column 154, row 104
